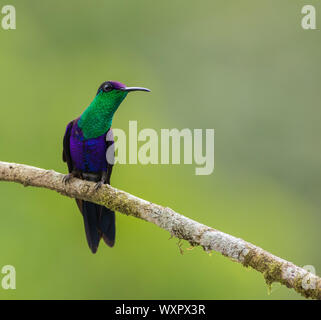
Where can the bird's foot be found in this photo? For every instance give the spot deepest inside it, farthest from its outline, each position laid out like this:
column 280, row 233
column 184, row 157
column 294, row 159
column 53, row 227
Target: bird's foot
column 66, row 179
column 102, row 181
column 98, row 185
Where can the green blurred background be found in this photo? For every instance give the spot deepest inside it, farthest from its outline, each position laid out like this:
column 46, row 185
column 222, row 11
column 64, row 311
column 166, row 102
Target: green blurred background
column 245, row 68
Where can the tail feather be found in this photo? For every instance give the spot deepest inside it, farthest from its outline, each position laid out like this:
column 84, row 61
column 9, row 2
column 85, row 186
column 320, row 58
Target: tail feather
column 99, row 222
column 107, row 226
column 90, row 212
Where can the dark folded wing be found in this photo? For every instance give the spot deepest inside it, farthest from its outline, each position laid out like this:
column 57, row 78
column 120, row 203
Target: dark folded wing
column 110, row 153
column 66, row 157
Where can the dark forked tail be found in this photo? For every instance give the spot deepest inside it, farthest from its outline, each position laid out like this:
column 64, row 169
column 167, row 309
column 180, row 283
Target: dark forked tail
column 99, row 223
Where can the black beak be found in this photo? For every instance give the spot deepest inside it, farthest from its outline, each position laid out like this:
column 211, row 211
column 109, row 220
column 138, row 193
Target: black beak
column 128, row 89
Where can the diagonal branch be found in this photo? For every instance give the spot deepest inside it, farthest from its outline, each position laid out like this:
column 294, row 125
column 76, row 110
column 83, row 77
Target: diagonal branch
column 272, row 267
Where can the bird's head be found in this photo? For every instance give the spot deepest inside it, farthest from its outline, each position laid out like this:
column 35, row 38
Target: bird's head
column 97, row 118
column 109, row 86
column 115, row 92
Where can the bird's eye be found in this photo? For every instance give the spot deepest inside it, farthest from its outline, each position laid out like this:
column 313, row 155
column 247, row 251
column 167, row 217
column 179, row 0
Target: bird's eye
column 108, row 87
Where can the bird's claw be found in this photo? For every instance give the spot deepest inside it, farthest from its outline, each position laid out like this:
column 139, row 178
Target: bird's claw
column 66, row 179
column 98, row 185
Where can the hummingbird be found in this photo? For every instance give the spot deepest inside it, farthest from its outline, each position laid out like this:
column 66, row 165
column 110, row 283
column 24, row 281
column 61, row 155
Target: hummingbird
column 85, row 145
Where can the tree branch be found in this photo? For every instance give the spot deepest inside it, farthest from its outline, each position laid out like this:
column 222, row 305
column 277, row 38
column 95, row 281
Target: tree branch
column 272, row 267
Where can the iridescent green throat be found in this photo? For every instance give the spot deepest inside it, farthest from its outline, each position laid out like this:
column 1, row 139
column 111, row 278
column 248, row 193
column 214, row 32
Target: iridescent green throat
column 97, row 118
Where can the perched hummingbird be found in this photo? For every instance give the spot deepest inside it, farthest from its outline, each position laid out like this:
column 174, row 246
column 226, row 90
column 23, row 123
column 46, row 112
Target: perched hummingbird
column 85, row 144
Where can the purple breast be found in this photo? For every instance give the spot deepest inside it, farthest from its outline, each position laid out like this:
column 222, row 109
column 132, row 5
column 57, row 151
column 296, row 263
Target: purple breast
column 88, row 155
